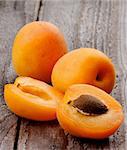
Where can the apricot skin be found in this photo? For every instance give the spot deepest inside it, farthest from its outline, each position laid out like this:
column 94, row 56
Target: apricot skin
column 94, row 127
column 32, row 99
column 84, row 65
column 37, row 47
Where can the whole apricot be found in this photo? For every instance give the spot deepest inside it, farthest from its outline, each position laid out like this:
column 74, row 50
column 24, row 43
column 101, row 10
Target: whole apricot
column 37, row 47
column 84, row 65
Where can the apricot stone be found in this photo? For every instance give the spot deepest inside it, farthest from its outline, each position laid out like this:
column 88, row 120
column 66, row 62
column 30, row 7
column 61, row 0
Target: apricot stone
column 84, row 65
column 37, row 47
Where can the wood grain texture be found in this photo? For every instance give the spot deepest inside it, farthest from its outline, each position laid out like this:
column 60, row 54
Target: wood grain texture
column 13, row 15
column 101, row 24
column 85, row 23
column 8, row 27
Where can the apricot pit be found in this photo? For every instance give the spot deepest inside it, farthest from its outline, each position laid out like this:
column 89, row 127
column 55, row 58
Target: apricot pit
column 89, row 105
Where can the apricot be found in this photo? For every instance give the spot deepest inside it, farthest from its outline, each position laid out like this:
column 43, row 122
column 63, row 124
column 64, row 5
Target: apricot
column 89, row 112
column 32, row 99
column 84, row 65
column 37, row 47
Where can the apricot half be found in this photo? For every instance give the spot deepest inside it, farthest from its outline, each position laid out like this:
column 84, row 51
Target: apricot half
column 32, row 99
column 87, row 111
column 37, row 47
column 84, row 65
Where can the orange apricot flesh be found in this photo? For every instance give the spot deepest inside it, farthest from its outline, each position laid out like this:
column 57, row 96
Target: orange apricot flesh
column 97, row 126
column 32, row 99
column 84, row 66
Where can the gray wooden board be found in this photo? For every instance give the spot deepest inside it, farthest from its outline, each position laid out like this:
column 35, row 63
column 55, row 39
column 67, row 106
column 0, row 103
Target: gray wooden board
column 101, row 24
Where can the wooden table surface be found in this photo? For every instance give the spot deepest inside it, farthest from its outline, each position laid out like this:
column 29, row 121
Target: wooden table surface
column 101, row 24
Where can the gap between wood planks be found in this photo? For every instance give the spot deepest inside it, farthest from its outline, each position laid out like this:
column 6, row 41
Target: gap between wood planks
column 19, row 119
column 98, row 38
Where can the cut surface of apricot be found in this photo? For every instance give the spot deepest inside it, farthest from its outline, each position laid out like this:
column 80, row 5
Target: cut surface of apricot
column 87, row 111
column 32, row 99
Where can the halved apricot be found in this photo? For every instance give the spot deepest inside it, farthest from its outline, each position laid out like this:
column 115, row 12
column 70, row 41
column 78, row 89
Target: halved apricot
column 32, row 99
column 87, row 111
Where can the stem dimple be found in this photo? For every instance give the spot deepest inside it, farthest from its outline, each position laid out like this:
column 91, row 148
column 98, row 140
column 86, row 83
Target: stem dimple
column 98, row 77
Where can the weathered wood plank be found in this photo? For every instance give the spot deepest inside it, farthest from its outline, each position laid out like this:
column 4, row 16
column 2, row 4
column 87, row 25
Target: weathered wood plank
column 31, row 10
column 65, row 14
column 49, row 135
column 85, row 23
column 8, row 121
column 106, row 33
column 13, row 15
